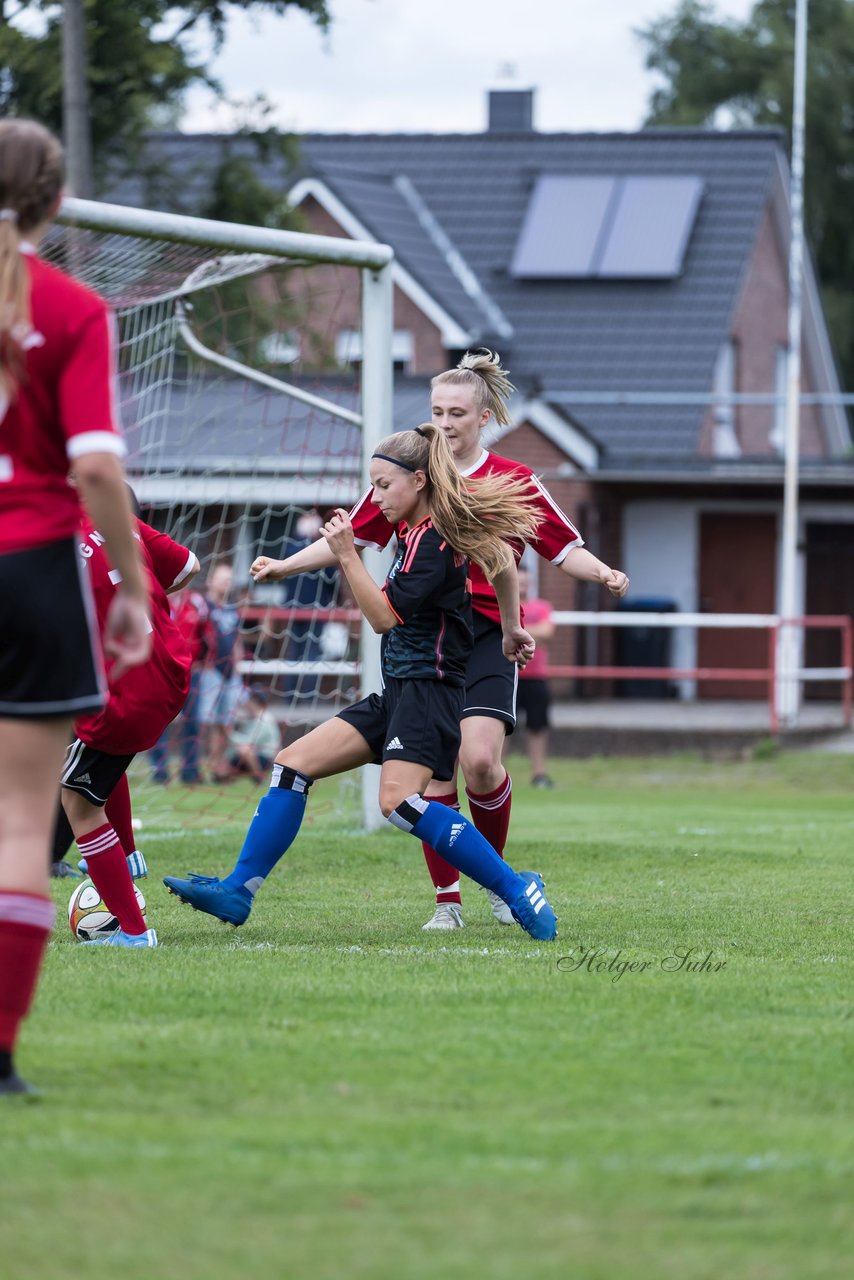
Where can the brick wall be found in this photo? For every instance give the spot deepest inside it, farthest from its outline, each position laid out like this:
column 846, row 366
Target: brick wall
column 336, row 301
column 760, row 328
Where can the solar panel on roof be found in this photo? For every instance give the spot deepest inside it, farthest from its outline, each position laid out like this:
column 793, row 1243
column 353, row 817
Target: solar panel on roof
column 651, row 226
column 587, row 227
column 562, row 225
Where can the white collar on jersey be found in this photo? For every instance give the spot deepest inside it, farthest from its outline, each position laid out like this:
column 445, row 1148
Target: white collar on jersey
column 25, row 247
column 474, row 466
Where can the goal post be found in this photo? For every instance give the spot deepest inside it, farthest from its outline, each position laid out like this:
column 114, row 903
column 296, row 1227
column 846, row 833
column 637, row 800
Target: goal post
column 239, row 401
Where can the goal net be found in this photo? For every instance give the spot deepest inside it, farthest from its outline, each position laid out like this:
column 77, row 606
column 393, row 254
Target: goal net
column 249, row 360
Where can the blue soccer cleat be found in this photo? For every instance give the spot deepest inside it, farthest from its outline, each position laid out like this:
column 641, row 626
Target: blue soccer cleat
column 532, row 909
column 121, row 939
column 209, row 894
column 137, row 866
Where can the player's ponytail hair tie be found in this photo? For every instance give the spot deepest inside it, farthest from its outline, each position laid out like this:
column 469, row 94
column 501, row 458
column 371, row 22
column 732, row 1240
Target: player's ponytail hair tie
column 8, row 215
column 419, row 431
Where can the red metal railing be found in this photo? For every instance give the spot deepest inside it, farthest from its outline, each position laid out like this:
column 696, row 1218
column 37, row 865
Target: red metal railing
column 768, row 675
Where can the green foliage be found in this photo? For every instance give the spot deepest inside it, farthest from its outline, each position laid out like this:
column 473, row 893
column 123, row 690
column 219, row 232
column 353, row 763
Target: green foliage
column 717, row 70
column 329, row 1092
column 141, row 60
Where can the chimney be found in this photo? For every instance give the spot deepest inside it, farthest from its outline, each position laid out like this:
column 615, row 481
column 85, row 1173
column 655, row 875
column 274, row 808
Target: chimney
column 511, row 111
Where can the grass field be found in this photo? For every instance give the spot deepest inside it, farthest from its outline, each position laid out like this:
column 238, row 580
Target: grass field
column 329, row 1092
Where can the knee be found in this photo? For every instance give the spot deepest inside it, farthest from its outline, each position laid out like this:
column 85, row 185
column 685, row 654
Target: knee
column 479, row 764
column 391, row 797
column 290, row 757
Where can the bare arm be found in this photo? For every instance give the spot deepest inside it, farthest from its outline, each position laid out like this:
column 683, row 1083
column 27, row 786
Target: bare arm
column 517, row 644
column 338, row 535
column 101, row 482
column 316, row 556
column 581, row 564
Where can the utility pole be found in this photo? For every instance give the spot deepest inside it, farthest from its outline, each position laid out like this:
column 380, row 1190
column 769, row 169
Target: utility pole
column 787, row 692
column 75, row 101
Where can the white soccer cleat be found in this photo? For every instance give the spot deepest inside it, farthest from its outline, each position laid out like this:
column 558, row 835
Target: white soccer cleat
column 448, row 915
column 500, row 909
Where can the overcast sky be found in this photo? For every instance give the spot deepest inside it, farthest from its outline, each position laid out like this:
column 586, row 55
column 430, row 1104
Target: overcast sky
column 425, row 65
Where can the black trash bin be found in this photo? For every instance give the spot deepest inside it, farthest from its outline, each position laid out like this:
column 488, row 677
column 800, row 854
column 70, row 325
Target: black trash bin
column 645, row 646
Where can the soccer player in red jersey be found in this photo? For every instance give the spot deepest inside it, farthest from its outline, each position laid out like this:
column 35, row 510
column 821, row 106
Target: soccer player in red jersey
column 56, row 410
column 141, row 703
column 464, row 400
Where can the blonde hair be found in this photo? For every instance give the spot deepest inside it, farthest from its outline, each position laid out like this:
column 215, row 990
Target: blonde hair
column 476, row 516
column 31, row 177
column 481, row 370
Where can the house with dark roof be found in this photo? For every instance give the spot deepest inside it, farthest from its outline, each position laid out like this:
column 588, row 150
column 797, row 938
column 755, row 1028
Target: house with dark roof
column 636, row 288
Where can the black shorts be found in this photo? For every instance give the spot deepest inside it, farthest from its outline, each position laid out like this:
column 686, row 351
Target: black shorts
column 490, row 679
column 415, row 720
column 533, row 698
column 50, row 658
column 92, row 773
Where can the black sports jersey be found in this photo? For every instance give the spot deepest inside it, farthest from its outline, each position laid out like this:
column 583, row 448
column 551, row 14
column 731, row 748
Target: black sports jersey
column 428, row 590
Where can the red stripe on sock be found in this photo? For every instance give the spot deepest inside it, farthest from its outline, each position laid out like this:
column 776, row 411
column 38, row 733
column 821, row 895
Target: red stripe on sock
column 108, row 870
column 491, row 813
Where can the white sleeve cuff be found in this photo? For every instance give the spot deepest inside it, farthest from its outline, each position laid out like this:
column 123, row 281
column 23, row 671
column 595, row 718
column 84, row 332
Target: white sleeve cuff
column 570, row 546
column 189, row 567
column 95, row 442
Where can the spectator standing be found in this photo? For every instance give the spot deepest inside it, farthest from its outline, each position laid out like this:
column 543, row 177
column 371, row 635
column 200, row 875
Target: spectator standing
column 308, row 591
column 533, row 694
column 190, row 615
column 220, row 687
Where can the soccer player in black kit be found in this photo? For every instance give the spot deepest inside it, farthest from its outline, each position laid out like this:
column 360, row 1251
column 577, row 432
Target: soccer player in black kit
column 412, row 728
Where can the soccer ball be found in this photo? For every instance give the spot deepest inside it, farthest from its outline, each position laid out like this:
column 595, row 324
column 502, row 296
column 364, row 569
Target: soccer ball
column 89, row 916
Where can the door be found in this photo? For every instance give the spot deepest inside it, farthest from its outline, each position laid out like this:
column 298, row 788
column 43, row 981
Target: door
column 829, row 589
column 737, row 575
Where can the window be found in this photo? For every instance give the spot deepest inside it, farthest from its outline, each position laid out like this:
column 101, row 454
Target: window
column 348, row 347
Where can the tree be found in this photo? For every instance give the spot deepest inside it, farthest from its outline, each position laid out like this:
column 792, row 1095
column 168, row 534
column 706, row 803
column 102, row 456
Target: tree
column 141, row 61
column 724, row 72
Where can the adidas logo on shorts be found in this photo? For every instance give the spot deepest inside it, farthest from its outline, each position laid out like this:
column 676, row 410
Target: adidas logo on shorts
column 84, row 777
column 394, row 745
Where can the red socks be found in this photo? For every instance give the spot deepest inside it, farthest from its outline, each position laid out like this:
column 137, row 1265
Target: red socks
column 490, row 813
column 446, row 878
column 108, row 870
column 25, row 923
column 118, row 812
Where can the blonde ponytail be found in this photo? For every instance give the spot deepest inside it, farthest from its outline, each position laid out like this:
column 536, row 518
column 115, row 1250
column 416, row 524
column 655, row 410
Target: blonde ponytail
column 31, row 176
column 476, row 516
column 481, row 370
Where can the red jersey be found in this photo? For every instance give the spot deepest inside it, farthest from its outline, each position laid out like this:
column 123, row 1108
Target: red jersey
column 64, row 407
column 148, row 697
column 554, row 537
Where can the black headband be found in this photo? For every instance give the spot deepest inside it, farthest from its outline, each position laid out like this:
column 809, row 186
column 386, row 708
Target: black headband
column 397, row 462
column 419, row 431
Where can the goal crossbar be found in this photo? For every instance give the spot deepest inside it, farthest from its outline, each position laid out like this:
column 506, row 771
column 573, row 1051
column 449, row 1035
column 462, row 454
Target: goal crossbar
column 179, row 228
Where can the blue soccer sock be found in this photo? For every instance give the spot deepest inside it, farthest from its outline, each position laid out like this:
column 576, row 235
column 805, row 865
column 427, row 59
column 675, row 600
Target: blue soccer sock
column 460, row 843
column 273, row 829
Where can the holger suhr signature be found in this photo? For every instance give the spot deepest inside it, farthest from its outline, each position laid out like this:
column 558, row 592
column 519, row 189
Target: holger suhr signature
column 600, row 960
